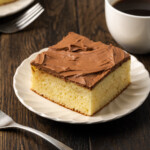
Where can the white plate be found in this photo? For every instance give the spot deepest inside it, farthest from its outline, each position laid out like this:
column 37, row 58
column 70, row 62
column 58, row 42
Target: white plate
column 11, row 8
column 124, row 104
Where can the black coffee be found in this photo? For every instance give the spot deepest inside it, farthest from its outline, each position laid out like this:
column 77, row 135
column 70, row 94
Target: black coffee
column 134, row 7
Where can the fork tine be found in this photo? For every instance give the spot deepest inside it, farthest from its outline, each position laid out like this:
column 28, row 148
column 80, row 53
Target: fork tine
column 32, row 19
column 24, row 20
column 22, row 16
column 30, row 10
column 28, row 17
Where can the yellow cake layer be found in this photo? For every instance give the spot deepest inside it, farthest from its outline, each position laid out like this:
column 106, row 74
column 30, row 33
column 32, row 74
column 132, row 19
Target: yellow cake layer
column 78, row 98
column 6, row 1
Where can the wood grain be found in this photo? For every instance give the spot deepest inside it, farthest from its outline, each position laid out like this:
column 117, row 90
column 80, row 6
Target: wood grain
column 60, row 17
column 92, row 20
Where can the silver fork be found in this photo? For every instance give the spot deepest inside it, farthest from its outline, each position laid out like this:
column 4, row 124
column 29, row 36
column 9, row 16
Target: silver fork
column 8, row 122
column 22, row 21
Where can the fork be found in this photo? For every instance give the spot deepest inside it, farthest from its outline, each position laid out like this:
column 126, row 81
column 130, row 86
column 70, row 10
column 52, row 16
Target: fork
column 7, row 122
column 22, row 21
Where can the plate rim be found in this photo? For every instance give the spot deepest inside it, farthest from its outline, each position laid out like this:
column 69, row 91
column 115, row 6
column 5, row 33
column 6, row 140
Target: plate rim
column 16, row 10
column 72, row 121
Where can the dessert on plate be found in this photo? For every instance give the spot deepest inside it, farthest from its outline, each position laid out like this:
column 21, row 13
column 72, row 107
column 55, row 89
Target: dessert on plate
column 81, row 74
column 6, row 1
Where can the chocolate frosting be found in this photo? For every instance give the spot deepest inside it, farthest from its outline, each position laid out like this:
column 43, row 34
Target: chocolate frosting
column 80, row 60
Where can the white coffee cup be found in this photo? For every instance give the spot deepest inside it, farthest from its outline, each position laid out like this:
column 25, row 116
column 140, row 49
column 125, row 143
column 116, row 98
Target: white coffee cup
column 130, row 31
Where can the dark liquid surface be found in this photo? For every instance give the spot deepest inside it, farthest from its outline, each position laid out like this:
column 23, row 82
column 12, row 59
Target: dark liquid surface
column 134, row 7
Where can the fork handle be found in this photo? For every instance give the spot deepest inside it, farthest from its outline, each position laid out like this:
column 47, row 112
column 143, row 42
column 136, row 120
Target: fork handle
column 50, row 139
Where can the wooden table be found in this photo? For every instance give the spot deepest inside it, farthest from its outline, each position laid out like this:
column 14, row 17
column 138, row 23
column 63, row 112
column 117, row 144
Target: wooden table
column 60, row 17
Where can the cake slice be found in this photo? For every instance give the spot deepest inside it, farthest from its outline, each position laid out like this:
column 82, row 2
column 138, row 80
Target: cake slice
column 80, row 74
column 6, row 1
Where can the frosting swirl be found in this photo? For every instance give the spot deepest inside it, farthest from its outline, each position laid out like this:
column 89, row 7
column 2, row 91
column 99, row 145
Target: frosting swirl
column 80, row 60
